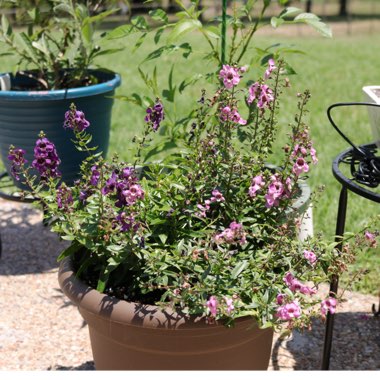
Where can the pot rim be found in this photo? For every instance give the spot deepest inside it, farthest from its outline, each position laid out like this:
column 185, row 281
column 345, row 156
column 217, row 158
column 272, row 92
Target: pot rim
column 113, row 80
column 131, row 313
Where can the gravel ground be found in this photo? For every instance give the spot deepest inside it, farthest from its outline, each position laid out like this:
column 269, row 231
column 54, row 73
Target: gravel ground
column 41, row 330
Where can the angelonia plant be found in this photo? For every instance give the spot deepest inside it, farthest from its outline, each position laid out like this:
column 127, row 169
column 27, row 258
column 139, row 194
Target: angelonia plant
column 209, row 231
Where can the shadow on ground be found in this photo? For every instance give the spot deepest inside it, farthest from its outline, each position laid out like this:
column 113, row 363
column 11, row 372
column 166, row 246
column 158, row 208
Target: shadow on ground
column 355, row 345
column 27, row 245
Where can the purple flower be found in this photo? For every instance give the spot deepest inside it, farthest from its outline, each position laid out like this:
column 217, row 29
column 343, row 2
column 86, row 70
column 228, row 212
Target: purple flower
column 256, row 185
column 280, row 298
column 16, row 156
column 313, row 154
column 296, row 286
column 262, row 93
column 126, row 222
column 300, row 166
column 230, row 76
column 371, row 239
column 64, row 197
column 230, row 305
column 233, row 235
column 75, row 120
column 95, row 175
column 46, row 159
column 111, row 184
column 155, row 115
column 274, row 193
column 212, row 305
column 228, row 114
column 289, row 311
column 217, row 196
column 328, row 305
column 271, row 67
column 310, row 256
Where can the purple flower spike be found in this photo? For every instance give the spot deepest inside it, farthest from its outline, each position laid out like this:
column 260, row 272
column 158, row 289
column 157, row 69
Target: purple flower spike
column 155, row 115
column 75, row 120
column 46, row 159
column 16, row 156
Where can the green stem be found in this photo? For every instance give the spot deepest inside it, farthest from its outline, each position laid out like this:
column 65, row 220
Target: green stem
column 224, row 31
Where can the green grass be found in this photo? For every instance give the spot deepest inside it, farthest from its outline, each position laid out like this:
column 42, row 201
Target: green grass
column 334, row 70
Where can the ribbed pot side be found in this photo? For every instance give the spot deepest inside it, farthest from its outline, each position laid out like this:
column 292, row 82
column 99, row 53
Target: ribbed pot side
column 130, row 336
column 23, row 114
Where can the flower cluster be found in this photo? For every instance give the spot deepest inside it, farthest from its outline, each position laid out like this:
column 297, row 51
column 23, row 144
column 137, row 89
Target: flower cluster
column 155, row 115
column 46, row 159
column 75, row 120
column 17, row 158
column 211, row 229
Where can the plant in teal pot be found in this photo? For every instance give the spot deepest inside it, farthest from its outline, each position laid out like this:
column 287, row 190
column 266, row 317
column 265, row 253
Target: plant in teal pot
column 56, row 56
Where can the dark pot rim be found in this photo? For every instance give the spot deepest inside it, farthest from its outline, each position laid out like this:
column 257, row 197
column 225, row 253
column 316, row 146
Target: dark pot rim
column 110, row 79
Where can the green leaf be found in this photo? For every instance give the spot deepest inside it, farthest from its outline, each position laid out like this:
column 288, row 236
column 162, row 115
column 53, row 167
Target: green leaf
column 276, row 22
column 5, row 26
column 63, row 8
column 87, row 32
column 100, row 16
column 163, row 238
column 121, row 32
column 189, row 81
column 239, row 268
column 158, row 35
column 73, row 248
column 169, row 93
column 159, row 15
column 290, row 12
column 182, row 28
column 319, row 26
column 212, row 32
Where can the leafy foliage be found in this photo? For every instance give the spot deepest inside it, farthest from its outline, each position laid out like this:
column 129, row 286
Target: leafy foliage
column 211, row 230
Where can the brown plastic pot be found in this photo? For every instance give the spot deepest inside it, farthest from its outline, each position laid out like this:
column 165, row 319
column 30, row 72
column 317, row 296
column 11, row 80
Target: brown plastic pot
column 131, row 336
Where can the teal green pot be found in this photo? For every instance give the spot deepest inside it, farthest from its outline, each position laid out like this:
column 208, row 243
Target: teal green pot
column 24, row 113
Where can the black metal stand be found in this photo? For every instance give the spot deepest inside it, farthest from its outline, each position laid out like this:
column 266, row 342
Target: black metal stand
column 347, row 157
column 9, row 192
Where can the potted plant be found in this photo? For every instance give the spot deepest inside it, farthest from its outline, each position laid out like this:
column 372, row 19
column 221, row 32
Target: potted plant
column 56, row 52
column 192, row 262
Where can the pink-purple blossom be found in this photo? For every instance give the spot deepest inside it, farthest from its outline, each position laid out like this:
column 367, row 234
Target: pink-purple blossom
column 228, row 114
column 274, row 193
column 256, row 185
column 310, row 256
column 233, row 235
column 262, row 93
column 75, row 120
column 17, row 157
column 46, row 160
column 300, row 166
column 155, row 115
column 217, row 196
column 230, row 305
column 64, row 197
column 230, row 76
column 328, row 305
column 280, row 298
column 212, row 305
column 271, row 67
column 371, row 239
column 296, row 286
column 289, row 311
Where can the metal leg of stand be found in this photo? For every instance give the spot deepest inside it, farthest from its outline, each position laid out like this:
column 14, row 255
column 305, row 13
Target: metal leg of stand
column 340, row 224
